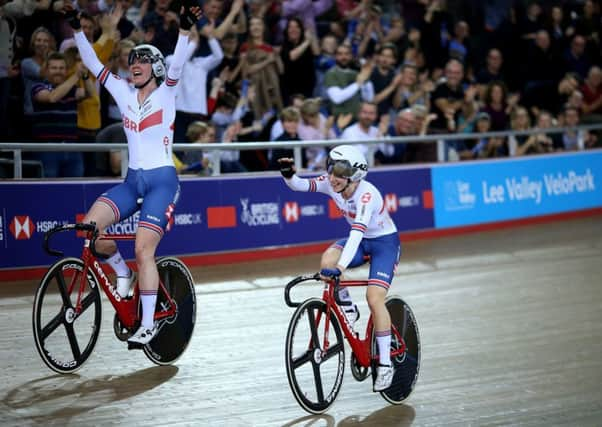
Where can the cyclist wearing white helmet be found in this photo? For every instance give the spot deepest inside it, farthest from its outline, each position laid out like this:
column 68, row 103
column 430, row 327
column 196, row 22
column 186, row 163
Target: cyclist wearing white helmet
column 148, row 112
column 373, row 234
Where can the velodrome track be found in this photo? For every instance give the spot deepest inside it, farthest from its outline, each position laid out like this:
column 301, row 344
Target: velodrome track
column 510, row 323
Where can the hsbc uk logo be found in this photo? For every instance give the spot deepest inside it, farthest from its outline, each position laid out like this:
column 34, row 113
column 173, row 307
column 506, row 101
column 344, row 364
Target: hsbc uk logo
column 21, row 227
column 292, row 211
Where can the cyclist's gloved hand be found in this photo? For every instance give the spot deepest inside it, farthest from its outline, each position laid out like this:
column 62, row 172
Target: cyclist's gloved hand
column 190, row 13
column 287, row 167
column 72, row 16
column 330, row 272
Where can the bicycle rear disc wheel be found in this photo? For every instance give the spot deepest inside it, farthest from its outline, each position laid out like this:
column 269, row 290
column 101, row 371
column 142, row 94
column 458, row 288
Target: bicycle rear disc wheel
column 65, row 339
column 315, row 376
column 174, row 332
column 406, row 364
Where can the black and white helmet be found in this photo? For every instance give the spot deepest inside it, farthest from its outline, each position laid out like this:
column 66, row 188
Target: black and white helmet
column 146, row 53
column 346, row 161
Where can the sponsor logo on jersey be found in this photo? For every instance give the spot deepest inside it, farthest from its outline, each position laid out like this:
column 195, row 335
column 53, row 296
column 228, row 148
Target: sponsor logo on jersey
column 259, row 214
column 21, row 227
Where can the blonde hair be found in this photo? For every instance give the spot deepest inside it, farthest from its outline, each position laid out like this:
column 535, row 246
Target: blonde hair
column 290, row 114
column 51, row 43
column 310, row 107
column 196, row 130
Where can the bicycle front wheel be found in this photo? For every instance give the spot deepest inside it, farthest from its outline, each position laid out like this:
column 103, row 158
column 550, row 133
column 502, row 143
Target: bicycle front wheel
column 315, row 375
column 174, row 332
column 404, row 332
column 65, row 335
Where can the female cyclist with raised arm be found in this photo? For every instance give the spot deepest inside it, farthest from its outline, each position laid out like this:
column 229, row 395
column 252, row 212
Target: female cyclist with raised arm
column 373, row 233
column 148, row 112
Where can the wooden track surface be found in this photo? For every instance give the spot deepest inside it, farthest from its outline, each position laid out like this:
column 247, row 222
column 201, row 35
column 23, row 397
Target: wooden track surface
column 510, row 323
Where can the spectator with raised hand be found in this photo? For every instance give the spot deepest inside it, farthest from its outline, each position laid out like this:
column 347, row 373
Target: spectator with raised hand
column 55, row 115
column 191, row 97
column 299, row 51
column 305, row 10
column 262, row 66
column 538, row 143
column 211, row 24
column 410, row 91
column 230, row 159
column 160, row 26
column 346, row 88
column 384, row 78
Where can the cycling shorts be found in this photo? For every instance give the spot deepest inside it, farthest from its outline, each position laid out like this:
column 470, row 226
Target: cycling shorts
column 383, row 253
column 159, row 188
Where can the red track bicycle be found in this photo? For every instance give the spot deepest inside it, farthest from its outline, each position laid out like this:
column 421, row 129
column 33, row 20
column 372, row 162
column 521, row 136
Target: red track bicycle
column 315, row 350
column 67, row 306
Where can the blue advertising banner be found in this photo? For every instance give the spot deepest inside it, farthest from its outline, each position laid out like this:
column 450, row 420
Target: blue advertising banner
column 213, row 214
column 481, row 192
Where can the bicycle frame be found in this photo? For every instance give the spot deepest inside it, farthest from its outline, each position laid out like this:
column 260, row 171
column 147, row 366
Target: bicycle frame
column 126, row 308
column 361, row 347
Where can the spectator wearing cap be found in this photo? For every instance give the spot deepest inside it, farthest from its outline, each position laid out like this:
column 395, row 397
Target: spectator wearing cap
column 485, row 147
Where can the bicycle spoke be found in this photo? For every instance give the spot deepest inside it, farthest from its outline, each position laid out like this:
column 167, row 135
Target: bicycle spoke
column 318, row 378
column 73, row 341
column 302, row 360
column 63, row 289
column 52, row 325
column 332, row 351
column 315, row 340
column 87, row 302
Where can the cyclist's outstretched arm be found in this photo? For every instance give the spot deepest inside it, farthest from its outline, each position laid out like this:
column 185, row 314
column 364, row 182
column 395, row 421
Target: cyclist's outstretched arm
column 103, row 74
column 295, row 183
column 189, row 15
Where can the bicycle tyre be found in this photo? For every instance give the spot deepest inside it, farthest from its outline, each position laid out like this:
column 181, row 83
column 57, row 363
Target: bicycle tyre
column 406, row 365
column 308, row 371
column 175, row 332
column 58, row 347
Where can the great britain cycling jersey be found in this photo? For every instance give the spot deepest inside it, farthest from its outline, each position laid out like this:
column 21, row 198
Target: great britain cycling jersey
column 149, row 131
column 373, row 232
column 148, row 126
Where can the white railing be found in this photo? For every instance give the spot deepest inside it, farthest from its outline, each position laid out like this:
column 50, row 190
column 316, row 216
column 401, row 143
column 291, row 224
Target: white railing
column 441, row 139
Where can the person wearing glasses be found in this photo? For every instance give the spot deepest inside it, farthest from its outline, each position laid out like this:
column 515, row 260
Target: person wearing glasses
column 373, row 236
column 147, row 107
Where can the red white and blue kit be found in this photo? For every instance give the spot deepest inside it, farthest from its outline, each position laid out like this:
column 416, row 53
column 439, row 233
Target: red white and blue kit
column 149, row 131
column 373, row 232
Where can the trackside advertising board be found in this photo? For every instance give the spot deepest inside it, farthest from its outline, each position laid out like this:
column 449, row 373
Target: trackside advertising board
column 481, row 192
column 213, row 214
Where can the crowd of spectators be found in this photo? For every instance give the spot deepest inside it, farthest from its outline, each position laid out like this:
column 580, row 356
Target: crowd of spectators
column 286, row 70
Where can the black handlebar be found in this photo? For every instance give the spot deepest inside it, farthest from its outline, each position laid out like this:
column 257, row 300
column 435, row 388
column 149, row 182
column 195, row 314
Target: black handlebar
column 300, row 279
column 294, row 282
column 91, row 227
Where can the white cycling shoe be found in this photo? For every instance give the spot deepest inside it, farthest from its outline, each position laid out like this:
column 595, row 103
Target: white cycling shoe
column 143, row 335
column 384, row 377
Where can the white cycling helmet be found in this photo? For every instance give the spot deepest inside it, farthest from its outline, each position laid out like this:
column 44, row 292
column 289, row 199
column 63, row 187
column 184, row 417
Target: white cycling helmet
column 147, row 53
column 346, row 161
